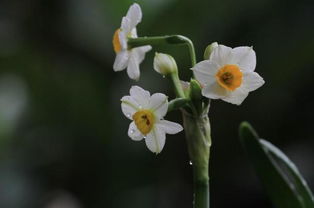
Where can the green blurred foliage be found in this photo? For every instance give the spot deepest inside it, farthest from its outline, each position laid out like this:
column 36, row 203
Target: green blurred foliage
column 65, row 141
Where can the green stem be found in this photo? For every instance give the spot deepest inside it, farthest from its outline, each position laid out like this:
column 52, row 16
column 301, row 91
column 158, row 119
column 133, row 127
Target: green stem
column 168, row 39
column 201, row 186
column 177, row 85
column 197, row 130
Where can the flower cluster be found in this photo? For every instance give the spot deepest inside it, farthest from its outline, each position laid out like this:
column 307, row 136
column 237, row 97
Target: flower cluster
column 226, row 74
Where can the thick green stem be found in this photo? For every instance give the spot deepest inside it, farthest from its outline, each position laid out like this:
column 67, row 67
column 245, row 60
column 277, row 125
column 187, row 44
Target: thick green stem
column 168, row 39
column 201, row 186
column 197, row 130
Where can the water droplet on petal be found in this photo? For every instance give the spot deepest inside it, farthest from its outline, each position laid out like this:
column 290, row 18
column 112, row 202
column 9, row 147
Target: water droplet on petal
column 132, row 131
column 128, row 115
column 144, row 137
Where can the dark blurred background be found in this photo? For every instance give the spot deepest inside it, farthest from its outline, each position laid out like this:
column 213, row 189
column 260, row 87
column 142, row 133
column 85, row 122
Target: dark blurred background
column 63, row 137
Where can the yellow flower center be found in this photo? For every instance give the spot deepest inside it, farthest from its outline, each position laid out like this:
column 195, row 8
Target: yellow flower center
column 144, row 121
column 116, row 42
column 229, row 77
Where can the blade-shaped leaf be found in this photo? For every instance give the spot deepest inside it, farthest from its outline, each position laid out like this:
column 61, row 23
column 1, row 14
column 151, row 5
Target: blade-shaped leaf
column 291, row 172
column 280, row 177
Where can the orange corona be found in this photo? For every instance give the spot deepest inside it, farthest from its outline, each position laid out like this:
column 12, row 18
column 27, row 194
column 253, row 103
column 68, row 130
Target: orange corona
column 116, row 42
column 229, row 77
column 144, row 120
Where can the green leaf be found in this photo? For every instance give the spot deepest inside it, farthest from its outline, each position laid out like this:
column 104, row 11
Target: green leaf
column 281, row 179
column 290, row 171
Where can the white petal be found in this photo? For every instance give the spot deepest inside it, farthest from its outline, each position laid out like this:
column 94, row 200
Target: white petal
column 121, row 61
column 140, row 95
column 205, row 71
column 134, row 14
column 221, row 55
column 133, row 69
column 126, row 25
column 252, row 81
column 129, row 106
column 237, row 96
column 134, row 133
column 137, row 55
column 155, row 140
column 123, row 40
column 169, row 127
column 140, row 52
column 159, row 104
column 214, row 91
column 245, row 58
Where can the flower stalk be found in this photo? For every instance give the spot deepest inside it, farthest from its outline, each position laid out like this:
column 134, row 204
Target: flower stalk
column 177, row 85
column 161, row 40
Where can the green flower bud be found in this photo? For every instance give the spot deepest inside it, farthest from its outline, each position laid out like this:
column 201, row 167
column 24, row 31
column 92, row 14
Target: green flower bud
column 209, row 49
column 195, row 90
column 196, row 95
column 165, row 64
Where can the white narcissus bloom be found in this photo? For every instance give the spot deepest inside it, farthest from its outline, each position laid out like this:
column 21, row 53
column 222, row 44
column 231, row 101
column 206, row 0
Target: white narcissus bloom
column 146, row 113
column 228, row 74
column 129, row 58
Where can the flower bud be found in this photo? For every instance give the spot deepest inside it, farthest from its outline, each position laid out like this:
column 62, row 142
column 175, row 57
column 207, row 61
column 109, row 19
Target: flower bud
column 164, row 64
column 195, row 90
column 209, row 49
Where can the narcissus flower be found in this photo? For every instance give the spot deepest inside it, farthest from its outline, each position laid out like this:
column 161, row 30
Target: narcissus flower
column 129, row 58
column 146, row 113
column 228, row 74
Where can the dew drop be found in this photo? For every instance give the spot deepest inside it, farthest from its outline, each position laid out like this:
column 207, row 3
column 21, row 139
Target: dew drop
column 144, row 137
column 190, row 162
column 132, row 131
column 128, row 115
